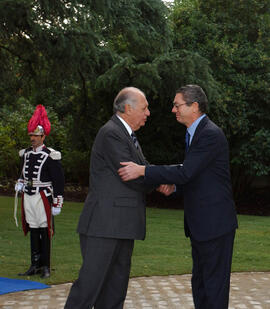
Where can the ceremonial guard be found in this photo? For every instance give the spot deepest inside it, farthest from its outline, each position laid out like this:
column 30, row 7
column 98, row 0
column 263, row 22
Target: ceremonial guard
column 42, row 185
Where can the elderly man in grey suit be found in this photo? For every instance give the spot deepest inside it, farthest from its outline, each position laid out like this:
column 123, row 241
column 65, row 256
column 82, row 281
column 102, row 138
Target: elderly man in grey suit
column 114, row 211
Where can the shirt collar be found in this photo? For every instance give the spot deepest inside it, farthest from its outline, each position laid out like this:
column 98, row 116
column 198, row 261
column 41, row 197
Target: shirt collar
column 125, row 124
column 191, row 130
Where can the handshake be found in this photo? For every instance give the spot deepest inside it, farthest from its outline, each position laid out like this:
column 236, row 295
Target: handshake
column 166, row 189
column 131, row 170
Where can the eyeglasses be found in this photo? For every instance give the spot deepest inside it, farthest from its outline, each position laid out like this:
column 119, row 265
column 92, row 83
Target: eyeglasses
column 177, row 106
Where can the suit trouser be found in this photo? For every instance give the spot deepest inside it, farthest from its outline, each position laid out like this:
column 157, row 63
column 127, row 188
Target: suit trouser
column 104, row 274
column 211, row 272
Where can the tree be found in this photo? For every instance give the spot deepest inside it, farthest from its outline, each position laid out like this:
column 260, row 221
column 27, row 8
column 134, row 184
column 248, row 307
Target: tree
column 55, row 52
column 234, row 37
column 74, row 56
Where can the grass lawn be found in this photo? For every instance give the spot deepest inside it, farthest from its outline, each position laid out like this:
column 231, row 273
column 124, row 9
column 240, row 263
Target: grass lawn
column 165, row 251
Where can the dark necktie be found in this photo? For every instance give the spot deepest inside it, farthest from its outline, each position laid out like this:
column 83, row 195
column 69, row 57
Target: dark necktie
column 187, row 140
column 135, row 141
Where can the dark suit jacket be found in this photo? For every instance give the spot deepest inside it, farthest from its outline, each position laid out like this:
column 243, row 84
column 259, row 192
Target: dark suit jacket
column 113, row 208
column 206, row 182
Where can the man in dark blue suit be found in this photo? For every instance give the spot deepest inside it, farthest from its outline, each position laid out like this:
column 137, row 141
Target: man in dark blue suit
column 204, row 178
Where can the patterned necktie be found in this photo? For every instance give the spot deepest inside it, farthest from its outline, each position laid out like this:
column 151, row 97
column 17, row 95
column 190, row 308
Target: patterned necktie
column 134, row 138
column 187, row 140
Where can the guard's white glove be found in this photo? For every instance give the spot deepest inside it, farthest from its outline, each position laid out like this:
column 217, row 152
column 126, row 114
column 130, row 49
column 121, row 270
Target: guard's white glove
column 19, row 186
column 56, row 211
column 58, row 201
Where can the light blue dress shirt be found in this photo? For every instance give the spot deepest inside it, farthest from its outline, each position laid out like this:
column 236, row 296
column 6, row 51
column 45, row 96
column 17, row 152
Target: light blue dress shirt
column 191, row 130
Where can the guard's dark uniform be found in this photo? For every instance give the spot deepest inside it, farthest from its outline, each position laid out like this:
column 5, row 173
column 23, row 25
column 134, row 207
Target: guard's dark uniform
column 42, row 175
column 42, row 185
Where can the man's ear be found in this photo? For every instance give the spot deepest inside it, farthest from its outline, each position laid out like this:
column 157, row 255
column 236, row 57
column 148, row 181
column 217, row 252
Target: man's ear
column 127, row 109
column 195, row 107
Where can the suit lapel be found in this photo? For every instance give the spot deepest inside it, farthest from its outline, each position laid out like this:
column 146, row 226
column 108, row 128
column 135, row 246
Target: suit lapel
column 116, row 120
column 138, row 151
column 199, row 128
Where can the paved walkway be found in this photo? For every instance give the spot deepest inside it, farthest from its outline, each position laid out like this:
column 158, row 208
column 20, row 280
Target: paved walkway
column 248, row 290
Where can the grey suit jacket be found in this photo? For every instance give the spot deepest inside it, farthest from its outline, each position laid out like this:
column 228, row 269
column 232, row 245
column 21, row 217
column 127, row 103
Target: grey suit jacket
column 113, row 208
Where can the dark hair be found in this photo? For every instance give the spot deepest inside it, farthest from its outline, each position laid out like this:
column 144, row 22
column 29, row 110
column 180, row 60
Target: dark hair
column 194, row 93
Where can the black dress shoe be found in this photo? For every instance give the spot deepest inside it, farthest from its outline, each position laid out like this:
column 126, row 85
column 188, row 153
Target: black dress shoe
column 31, row 271
column 45, row 272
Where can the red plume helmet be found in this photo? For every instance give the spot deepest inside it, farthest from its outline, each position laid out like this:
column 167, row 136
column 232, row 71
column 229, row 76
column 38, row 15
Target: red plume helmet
column 39, row 123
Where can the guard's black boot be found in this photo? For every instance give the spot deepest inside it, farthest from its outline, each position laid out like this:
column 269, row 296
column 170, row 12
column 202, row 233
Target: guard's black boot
column 31, row 271
column 45, row 252
column 35, row 253
column 45, row 273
